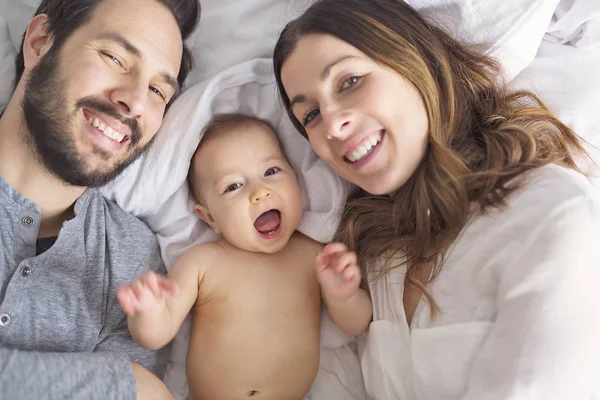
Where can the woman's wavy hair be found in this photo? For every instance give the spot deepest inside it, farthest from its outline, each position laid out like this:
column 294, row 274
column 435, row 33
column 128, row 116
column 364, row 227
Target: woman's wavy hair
column 481, row 136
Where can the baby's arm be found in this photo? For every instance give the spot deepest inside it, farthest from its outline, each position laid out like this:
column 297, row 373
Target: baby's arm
column 349, row 306
column 156, row 305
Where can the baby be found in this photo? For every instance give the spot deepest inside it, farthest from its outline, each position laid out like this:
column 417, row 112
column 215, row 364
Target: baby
column 255, row 292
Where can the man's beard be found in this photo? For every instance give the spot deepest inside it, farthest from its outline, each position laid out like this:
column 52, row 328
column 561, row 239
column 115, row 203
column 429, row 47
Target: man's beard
column 51, row 124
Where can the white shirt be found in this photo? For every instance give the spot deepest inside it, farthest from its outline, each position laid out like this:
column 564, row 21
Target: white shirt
column 519, row 293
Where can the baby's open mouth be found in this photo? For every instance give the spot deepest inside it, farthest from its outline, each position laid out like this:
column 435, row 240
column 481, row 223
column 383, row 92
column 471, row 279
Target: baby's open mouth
column 268, row 223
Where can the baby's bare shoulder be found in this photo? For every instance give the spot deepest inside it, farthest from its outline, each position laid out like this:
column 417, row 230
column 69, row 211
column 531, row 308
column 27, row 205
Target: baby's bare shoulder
column 303, row 243
column 204, row 255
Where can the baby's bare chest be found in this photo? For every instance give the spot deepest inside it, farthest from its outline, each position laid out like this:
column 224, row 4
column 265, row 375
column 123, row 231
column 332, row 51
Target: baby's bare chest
column 261, row 284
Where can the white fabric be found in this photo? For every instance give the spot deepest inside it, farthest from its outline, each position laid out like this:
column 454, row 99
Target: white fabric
column 567, row 79
column 233, row 31
column 511, row 31
column 7, row 64
column 577, row 23
column 518, row 298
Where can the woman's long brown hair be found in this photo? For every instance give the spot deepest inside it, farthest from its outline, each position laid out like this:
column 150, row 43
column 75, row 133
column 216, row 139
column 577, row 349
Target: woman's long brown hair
column 481, row 136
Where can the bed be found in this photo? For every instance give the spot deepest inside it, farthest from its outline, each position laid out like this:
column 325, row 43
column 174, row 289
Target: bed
column 550, row 46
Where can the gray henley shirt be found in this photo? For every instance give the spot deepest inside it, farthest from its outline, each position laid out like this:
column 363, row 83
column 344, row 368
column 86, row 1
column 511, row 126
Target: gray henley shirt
column 63, row 334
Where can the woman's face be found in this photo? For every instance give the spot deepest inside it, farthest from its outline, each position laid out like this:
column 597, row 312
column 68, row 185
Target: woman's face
column 365, row 120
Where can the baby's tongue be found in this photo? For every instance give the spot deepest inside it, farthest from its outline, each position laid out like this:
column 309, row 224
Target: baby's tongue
column 267, row 221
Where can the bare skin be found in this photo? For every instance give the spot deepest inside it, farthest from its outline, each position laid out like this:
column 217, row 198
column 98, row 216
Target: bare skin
column 255, row 319
column 256, row 324
column 148, row 386
column 254, row 297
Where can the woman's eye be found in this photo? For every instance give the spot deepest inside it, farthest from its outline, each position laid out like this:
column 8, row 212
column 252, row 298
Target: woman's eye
column 349, row 82
column 232, row 187
column 272, row 171
column 309, row 116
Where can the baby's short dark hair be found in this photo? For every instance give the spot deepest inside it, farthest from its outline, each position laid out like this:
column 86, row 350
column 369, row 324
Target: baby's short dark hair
column 219, row 123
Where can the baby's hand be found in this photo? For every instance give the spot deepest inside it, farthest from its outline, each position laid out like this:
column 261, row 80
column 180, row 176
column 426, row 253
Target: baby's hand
column 145, row 293
column 337, row 272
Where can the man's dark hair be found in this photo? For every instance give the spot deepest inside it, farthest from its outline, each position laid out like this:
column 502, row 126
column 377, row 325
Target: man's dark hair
column 66, row 16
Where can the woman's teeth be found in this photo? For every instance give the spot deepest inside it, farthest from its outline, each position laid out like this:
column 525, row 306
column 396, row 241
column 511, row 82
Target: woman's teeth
column 107, row 130
column 364, row 148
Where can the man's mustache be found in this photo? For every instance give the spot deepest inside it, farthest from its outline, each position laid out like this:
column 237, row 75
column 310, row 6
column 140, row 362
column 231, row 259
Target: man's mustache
column 110, row 110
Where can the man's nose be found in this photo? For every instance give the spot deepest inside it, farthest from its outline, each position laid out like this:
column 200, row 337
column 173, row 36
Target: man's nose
column 131, row 97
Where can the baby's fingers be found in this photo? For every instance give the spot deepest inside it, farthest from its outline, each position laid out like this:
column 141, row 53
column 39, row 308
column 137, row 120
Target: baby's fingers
column 351, row 275
column 150, row 281
column 345, row 261
column 168, row 287
column 140, row 291
column 125, row 296
column 333, row 249
column 321, row 262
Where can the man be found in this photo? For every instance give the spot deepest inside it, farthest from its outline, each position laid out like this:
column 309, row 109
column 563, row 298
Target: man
column 94, row 78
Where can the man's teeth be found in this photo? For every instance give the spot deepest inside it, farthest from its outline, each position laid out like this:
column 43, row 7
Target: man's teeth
column 364, row 148
column 107, row 130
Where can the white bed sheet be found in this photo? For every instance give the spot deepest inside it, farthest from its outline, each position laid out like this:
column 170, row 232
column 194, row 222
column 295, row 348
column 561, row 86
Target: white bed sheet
column 230, row 47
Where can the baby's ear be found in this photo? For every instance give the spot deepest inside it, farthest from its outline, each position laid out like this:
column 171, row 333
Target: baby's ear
column 206, row 216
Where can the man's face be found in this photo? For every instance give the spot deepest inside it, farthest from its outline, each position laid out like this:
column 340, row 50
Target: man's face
column 93, row 104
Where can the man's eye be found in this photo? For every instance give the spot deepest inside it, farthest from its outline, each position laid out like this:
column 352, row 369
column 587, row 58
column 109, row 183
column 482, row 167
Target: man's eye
column 113, row 59
column 158, row 92
column 116, row 60
column 272, row 171
column 232, row 187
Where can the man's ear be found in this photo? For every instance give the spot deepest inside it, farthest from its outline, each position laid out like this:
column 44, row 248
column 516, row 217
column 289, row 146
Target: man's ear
column 206, row 216
column 37, row 41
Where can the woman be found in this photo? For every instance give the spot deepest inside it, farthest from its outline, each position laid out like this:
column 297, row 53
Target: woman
column 475, row 227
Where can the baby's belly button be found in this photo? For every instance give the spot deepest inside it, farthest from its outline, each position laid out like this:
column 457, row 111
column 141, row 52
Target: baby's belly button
column 252, row 373
column 227, row 392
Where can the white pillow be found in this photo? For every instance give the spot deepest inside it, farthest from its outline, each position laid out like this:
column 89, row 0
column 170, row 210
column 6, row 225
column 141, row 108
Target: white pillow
column 577, row 23
column 7, row 64
column 511, row 30
column 233, row 31
column 567, row 79
column 17, row 14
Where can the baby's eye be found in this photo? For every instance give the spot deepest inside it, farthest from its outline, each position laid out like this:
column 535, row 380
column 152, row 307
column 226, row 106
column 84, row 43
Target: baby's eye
column 272, row 171
column 233, row 187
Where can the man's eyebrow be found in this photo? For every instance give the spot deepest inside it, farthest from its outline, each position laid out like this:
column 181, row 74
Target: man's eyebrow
column 121, row 41
column 134, row 51
column 171, row 81
column 324, row 75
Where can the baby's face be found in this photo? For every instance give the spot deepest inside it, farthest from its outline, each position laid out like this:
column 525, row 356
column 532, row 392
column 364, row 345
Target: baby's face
column 249, row 189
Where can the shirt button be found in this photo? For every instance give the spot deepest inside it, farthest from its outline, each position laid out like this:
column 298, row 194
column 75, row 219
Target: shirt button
column 27, row 221
column 25, row 271
column 4, row 319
